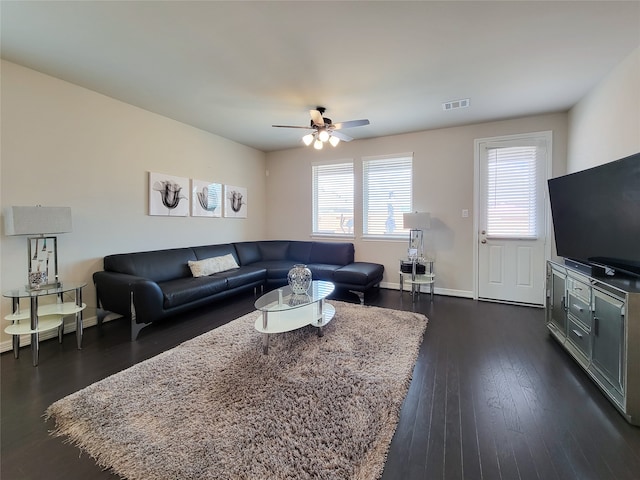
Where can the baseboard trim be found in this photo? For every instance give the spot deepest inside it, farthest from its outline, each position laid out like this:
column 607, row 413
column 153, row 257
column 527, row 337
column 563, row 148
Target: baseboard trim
column 69, row 327
column 437, row 291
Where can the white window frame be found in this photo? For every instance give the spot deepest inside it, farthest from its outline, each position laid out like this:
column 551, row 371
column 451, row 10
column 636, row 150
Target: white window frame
column 345, row 219
column 375, row 205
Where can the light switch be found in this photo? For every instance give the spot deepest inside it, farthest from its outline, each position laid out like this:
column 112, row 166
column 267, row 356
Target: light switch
column 465, row 213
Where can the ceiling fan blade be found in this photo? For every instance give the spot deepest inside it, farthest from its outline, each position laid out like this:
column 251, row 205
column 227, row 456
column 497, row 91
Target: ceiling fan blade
column 316, row 116
column 292, row 126
column 350, row 124
column 341, row 136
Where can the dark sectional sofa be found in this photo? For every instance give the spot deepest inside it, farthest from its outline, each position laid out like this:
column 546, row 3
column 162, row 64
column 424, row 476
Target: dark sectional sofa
column 150, row 286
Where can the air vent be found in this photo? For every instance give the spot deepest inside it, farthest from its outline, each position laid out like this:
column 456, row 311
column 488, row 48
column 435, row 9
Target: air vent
column 454, row 104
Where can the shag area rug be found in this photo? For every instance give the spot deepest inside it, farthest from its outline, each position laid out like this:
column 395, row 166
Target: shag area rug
column 215, row 407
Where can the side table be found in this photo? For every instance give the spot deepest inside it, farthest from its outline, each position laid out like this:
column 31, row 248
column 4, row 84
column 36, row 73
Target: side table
column 416, row 280
column 42, row 319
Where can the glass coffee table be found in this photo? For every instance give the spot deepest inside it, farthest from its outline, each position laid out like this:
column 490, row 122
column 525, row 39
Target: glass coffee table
column 284, row 311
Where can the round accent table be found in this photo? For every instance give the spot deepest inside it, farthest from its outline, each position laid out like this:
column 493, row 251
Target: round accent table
column 44, row 318
column 426, row 276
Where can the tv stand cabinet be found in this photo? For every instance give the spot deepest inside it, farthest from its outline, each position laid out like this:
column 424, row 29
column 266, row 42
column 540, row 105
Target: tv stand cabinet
column 597, row 320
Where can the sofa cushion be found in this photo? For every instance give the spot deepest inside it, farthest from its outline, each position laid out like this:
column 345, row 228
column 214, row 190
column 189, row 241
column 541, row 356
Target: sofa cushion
column 273, row 250
column 208, row 266
column 299, row 252
column 247, row 275
column 208, row 251
column 276, row 268
column 248, row 252
column 332, row 253
column 158, row 265
column 359, row 273
column 322, row 271
column 184, row 290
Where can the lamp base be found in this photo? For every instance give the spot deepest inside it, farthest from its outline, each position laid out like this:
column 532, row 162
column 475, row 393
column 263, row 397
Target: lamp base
column 42, row 286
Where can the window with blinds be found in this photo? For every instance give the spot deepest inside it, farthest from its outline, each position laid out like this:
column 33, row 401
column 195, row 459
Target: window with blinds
column 333, row 199
column 387, row 194
column 511, row 192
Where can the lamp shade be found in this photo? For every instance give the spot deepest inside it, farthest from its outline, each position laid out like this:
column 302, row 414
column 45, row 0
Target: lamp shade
column 416, row 220
column 36, row 220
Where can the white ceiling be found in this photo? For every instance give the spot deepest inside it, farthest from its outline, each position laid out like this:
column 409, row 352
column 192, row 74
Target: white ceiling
column 236, row 68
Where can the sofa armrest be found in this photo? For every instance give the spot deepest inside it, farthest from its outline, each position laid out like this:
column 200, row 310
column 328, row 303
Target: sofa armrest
column 114, row 290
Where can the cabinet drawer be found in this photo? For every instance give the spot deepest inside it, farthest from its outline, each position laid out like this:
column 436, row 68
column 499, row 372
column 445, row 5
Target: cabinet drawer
column 579, row 289
column 580, row 310
column 579, row 337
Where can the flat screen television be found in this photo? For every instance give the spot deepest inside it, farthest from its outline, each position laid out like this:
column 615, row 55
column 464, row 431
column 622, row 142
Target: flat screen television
column 596, row 215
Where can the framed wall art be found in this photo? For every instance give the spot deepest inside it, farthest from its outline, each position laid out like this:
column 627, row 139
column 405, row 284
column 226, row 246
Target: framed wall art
column 206, row 199
column 168, row 195
column 235, row 202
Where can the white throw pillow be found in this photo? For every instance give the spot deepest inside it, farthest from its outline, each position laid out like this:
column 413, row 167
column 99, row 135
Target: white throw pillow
column 208, row 266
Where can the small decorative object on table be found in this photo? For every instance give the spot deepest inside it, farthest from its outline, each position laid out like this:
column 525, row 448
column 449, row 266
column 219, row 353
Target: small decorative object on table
column 299, row 278
column 37, row 279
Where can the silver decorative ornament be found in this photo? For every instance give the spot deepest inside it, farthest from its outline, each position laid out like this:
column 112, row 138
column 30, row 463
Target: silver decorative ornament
column 299, row 278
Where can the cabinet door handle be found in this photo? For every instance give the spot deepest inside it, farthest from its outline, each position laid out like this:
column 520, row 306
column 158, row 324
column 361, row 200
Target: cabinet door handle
column 577, row 307
column 578, row 334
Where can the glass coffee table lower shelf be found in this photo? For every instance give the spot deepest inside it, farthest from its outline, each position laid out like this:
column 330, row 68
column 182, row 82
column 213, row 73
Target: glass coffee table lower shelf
column 284, row 311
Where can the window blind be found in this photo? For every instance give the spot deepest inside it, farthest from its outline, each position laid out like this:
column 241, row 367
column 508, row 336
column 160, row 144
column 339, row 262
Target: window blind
column 387, row 194
column 511, row 192
column 333, row 199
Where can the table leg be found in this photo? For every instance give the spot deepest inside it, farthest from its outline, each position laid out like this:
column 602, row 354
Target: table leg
column 320, row 318
column 265, row 336
column 16, row 346
column 35, row 340
column 79, row 325
column 61, row 327
column 413, row 281
column 16, row 338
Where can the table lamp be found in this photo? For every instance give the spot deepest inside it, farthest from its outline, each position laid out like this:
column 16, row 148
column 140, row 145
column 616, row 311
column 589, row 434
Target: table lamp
column 42, row 262
column 416, row 222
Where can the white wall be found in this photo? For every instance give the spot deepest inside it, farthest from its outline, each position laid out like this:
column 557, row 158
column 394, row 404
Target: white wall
column 443, row 186
column 63, row 145
column 605, row 125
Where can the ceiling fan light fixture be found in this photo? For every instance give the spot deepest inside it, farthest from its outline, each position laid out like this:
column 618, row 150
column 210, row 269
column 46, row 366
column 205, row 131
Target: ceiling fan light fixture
column 323, row 136
column 307, row 139
column 324, row 130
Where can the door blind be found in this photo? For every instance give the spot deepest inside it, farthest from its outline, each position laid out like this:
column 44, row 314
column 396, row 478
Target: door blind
column 511, row 192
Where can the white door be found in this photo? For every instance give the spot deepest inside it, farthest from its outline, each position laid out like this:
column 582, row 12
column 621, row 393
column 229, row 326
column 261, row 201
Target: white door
column 511, row 217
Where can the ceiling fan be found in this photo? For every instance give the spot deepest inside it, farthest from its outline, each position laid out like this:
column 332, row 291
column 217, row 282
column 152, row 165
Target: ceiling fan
column 325, row 130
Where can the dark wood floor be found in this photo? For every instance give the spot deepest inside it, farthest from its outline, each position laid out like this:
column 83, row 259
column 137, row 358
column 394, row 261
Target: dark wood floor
column 492, row 397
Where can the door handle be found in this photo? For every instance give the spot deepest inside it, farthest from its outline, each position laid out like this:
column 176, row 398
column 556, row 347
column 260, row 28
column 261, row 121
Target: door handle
column 577, row 333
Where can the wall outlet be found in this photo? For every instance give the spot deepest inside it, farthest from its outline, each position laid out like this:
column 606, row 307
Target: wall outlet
column 465, row 213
